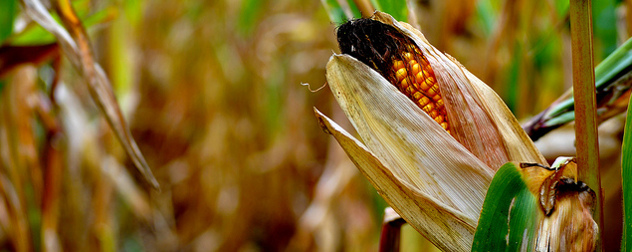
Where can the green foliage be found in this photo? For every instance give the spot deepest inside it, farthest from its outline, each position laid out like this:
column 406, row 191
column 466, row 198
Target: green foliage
column 616, row 65
column 397, row 8
column 509, row 212
column 8, row 11
column 36, row 35
column 605, row 27
column 133, row 11
column 626, row 176
column 487, row 15
column 561, row 7
column 339, row 15
column 250, row 12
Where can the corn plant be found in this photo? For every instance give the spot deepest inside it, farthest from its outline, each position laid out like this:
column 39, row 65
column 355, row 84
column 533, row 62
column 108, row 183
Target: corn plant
column 429, row 127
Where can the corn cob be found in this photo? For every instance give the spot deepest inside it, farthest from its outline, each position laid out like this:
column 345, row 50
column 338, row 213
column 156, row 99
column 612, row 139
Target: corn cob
column 415, row 78
column 398, row 59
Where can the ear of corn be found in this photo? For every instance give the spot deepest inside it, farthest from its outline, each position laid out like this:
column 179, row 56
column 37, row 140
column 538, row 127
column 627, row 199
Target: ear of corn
column 434, row 180
column 440, row 195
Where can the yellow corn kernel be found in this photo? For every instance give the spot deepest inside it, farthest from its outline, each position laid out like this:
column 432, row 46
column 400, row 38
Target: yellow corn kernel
column 425, row 86
column 435, row 88
column 445, row 125
column 419, row 78
column 416, row 85
column 437, row 98
column 430, row 71
column 418, row 95
column 410, row 90
column 401, row 74
column 439, row 103
column 415, row 69
column 408, row 56
column 398, row 64
column 426, row 73
column 404, row 84
column 438, row 119
column 412, row 62
column 431, row 92
column 428, row 107
column 423, row 101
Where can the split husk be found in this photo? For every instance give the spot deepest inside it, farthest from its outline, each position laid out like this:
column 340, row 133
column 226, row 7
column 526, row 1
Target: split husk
column 435, row 181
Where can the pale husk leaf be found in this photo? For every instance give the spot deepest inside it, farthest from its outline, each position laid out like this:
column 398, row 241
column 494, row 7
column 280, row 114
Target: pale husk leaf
column 517, row 143
column 479, row 118
column 443, row 225
column 406, row 140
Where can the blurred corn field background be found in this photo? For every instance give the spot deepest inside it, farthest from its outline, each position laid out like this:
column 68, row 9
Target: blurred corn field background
column 219, row 97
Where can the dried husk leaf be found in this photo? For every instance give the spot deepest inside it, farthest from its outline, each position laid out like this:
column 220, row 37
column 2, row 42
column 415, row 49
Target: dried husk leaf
column 479, row 118
column 570, row 225
column 406, row 139
column 443, row 225
column 76, row 46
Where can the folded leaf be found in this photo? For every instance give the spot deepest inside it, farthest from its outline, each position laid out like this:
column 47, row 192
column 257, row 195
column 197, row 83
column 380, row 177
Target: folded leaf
column 508, row 218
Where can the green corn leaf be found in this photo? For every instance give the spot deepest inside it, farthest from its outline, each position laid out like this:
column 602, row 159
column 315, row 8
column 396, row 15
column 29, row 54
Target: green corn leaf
column 397, row 8
column 626, row 176
column 509, row 213
column 36, row 35
column 338, row 14
column 8, row 10
column 354, row 10
column 612, row 79
column 615, row 66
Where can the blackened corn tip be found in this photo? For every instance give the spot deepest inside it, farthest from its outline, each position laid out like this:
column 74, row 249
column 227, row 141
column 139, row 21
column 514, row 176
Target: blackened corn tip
column 395, row 55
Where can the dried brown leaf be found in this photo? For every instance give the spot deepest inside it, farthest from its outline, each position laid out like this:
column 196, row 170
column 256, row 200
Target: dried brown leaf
column 76, row 46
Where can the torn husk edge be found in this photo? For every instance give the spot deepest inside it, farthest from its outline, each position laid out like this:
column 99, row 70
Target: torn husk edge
column 568, row 204
column 482, row 122
column 444, row 226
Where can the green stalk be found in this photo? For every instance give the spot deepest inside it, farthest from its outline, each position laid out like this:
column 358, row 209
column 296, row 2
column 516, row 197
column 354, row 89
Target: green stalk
column 626, row 176
column 585, row 113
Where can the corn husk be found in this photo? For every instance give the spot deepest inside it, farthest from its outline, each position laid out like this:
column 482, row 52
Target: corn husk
column 435, row 181
column 568, row 224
